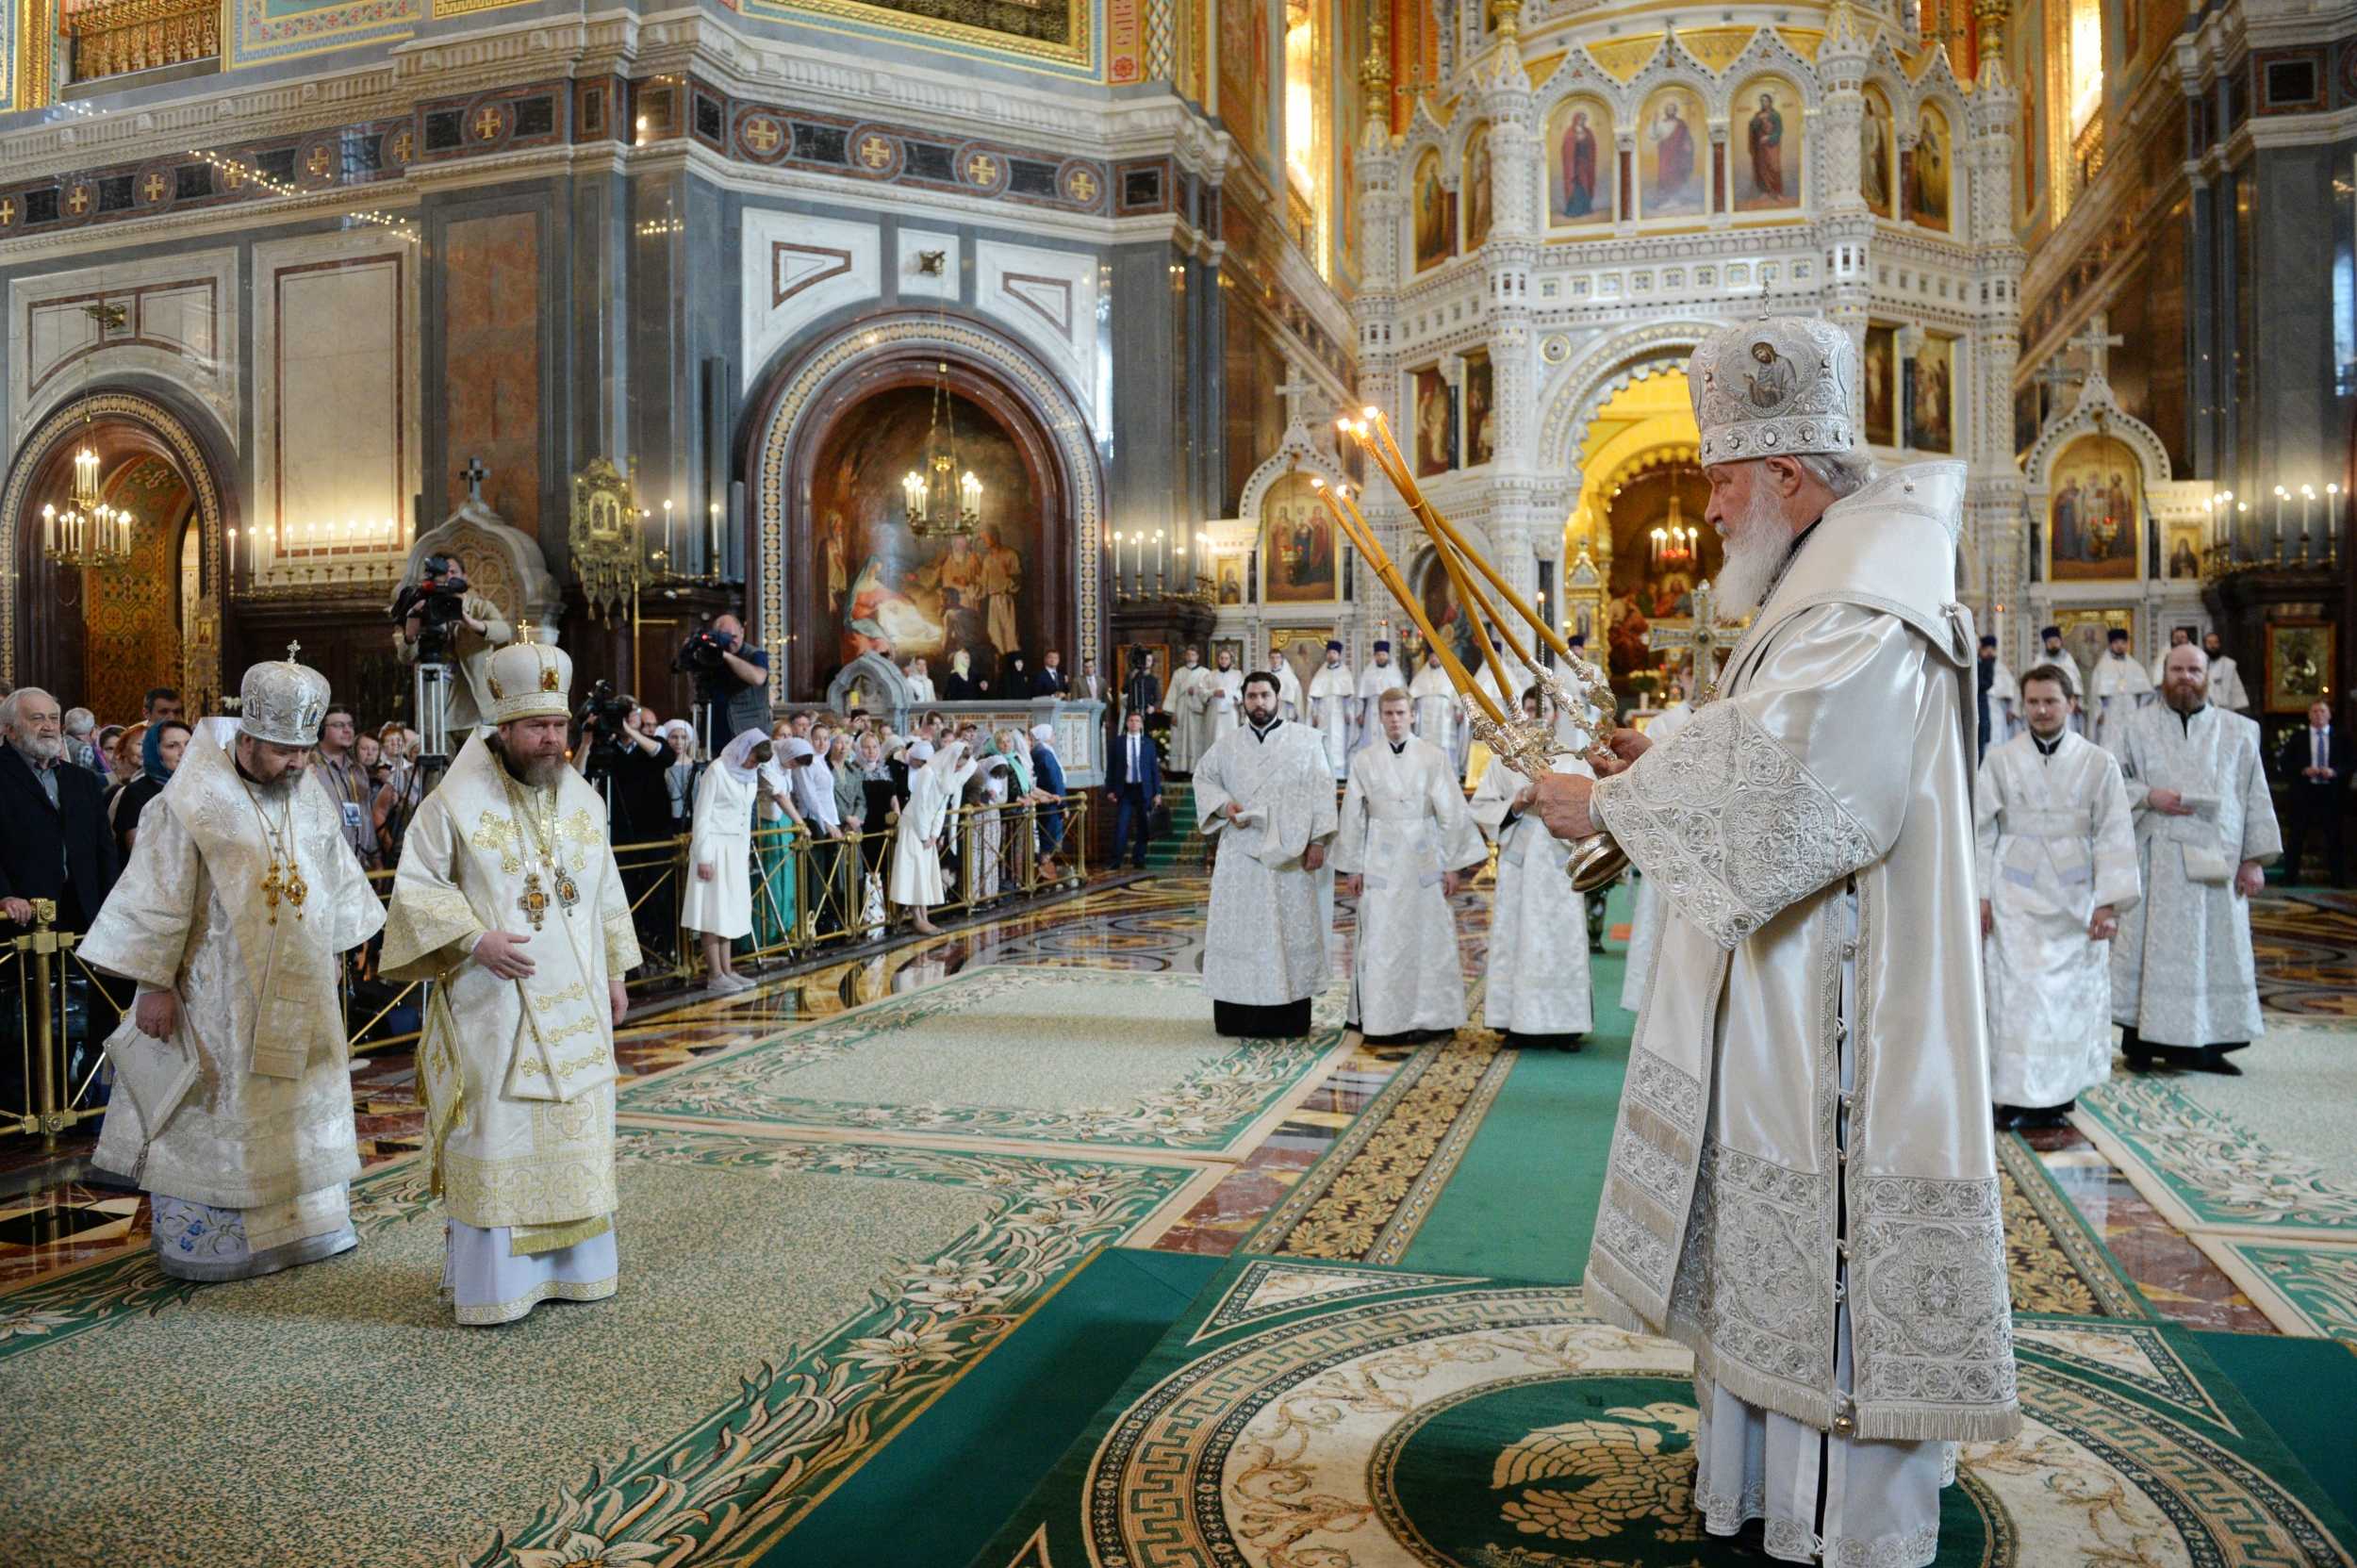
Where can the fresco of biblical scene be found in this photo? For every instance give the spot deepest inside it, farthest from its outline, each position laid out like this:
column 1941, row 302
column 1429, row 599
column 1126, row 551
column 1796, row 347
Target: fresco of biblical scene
column 1653, row 579
column 1243, row 73
column 1481, row 402
column 1929, row 170
column 1671, row 147
column 2092, row 504
column 881, row 587
column 1581, row 161
column 1435, row 448
column 1298, row 549
column 1443, row 609
column 1766, row 146
column 1881, row 386
column 1475, row 186
column 1931, row 397
column 1878, row 152
column 1431, row 209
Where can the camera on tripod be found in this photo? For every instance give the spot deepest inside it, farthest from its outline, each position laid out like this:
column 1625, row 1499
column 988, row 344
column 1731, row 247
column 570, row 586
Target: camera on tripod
column 699, row 655
column 438, row 599
column 603, row 713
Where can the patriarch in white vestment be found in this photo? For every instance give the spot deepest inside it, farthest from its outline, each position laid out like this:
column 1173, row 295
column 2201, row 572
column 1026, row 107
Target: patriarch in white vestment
column 1644, row 923
column 1380, row 676
column 1265, row 797
column 1188, row 699
column 2057, row 862
column 1405, row 844
column 2183, row 984
column 1439, row 712
column 936, row 780
column 1333, row 704
column 508, row 901
column 2117, row 687
column 1540, row 994
column 1803, row 1186
column 232, row 1106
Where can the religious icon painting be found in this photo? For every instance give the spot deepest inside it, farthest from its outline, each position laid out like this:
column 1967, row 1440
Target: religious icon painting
column 1581, row 164
column 1437, row 594
column 1432, row 212
column 1481, row 409
column 1436, row 423
column 1232, row 647
column 1878, row 152
column 1230, row 579
column 1766, row 146
column 1298, row 548
column 1931, row 396
column 1475, row 188
column 2093, row 500
column 1243, row 72
column 1928, row 169
column 2087, row 633
column 1672, row 141
column 1302, row 647
column 2185, row 554
column 1881, row 386
column 2299, row 665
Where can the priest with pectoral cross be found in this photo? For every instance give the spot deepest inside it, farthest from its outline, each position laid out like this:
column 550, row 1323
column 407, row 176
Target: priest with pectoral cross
column 508, row 901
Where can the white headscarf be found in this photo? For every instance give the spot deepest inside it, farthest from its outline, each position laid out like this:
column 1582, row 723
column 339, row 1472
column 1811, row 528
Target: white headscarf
column 738, row 759
column 1044, row 733
column 920, row 752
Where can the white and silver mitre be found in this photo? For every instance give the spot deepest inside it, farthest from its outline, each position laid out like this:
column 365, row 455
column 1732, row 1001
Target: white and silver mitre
column 531, row 680
column 1775, row 387
column 283, row 701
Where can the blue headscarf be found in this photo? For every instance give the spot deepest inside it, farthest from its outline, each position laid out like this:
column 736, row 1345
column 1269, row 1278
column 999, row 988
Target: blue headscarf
column 151, row 753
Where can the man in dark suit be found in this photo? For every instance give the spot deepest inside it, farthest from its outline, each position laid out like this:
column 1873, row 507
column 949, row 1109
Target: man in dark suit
column 1051, row 680
column 57, row 845
column 1134, row 776
column 2314, row 767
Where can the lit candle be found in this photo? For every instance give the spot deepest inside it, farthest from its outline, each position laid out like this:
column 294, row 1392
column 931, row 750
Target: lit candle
column 714, row 510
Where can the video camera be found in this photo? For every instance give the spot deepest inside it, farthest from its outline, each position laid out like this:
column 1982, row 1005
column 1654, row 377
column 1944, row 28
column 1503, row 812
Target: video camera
column 604, row 714
column 701, row 653
column 438, row 599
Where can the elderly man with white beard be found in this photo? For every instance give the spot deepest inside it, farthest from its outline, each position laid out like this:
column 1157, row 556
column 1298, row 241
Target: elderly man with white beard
column 1802, row 1183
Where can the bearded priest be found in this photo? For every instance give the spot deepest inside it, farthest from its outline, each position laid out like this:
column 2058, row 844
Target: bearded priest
column 1802, row 1183
column 233, row 1080
column 508, row 901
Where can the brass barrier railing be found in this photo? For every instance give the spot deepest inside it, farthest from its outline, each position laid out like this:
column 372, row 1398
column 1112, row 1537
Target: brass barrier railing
column 810, row 896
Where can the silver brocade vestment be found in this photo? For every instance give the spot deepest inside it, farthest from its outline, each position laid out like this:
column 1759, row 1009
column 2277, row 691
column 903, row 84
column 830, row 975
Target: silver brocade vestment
column 1403, row 827
column 1539, row 970
column 1264, row 942
column 1830, row 784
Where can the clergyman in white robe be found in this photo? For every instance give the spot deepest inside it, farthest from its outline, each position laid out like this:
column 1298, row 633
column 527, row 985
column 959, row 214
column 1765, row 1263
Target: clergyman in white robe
column 2053, row 651
column 1290, row 707
column 1439, row 714
column 2117, row 687
column 1333, row 698
column 1184, row 701
column 1265, row 796
column 2056, row 847
column 2184, row 984
column 1541, row 993
column 1379, row 676
column 1405, row 835
column 936, row 780
column 237, row 1119
column 2226, row 688
column 1644, row 924
column 1216, row 708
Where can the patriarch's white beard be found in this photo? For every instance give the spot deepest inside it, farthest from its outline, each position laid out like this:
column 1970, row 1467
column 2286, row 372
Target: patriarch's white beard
column 1756, row 547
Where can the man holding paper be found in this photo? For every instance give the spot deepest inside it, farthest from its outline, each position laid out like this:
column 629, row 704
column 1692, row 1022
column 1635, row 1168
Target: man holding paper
column 509, row 902
column 233, row 1086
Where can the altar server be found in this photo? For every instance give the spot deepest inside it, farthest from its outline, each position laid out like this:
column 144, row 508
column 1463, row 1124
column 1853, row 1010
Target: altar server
column 1189, row 703
column 1379, row 676
column 2057, row 862
column 2117, row 687
column 509, row 902
column 1439, row 716
column 1540, row 992
column 1333, row 701
column 2226, row 688
column 232, row 1105
column 1406, row 841
column 1291, row 707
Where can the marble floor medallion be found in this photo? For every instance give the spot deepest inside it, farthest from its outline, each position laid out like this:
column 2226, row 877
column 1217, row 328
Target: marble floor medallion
column 1471, row 1424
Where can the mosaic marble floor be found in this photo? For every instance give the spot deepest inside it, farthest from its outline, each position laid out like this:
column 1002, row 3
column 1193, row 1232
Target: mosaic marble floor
column 52, row 1216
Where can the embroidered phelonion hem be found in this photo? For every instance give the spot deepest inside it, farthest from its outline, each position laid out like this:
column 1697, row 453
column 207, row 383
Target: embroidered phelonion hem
column 495, row 1313
column 1877, row 1423
column 310, row 1250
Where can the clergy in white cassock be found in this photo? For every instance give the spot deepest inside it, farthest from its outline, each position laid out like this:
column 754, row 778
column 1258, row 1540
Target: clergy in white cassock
column 2000, row 700
column 2057, row 858
column 1405, row 841
column 2178, row 637
column 2053, row 652
column 1219, row 703
column 1290, row 704
column 2117, row 687
column 936, row 779
column 717, row 902
column 507, row 899
column 1188, row 702
column 2226, row 688
column 2184, row 986
column 232, row 1105
column 1802, row 1182
column 1540, row 991
column 1333, row 706
column 1265, row 797
column 1440, row 712
column 1380, row 676
column 1644, row 922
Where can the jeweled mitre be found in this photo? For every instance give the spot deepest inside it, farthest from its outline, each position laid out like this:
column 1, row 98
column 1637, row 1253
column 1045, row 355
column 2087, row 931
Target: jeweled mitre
column 282, row 702
column 531, row 680
column 1774, row 388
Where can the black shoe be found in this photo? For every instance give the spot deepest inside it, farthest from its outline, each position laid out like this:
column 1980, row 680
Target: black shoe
column 2008, row 1117
column 1752, row 1539
column 2215, row 1060
column 2140, row 1054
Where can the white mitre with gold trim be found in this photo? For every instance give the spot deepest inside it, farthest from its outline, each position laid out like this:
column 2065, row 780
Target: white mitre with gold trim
column 1778, row 387
column 282, row 702
column 530, row 680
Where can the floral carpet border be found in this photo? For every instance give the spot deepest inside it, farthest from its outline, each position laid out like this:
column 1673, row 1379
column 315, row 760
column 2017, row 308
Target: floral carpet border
column 2205, row 1171
column 2053, row 1262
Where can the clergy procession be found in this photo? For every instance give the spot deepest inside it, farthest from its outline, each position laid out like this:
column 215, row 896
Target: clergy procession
column 1885, row 902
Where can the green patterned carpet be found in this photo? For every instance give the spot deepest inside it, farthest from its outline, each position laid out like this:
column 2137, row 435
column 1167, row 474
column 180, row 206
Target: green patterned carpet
column 1353, row 1418
column 786, row 1307
column 1094, row 1058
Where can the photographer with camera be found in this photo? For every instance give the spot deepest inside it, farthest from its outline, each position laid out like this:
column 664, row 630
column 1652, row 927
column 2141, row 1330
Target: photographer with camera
column 441, row 620
column 732, row 679
column 623, row 756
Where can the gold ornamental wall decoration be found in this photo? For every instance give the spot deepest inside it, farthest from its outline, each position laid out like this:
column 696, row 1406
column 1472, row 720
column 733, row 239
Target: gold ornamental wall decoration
column 608, row 558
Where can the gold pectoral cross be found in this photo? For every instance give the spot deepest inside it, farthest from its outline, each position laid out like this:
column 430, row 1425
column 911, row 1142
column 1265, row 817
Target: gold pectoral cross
column 531, row 901
column 288, row 885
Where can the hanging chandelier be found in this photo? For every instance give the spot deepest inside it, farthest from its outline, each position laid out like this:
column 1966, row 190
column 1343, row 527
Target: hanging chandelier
column 1674, row 544
column 86, row 533
column 941, row 501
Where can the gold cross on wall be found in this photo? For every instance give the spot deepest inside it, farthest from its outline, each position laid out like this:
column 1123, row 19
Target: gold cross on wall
column 487, row 121
column 1084, row 185
column 8, row 212
column 316, row 162
column 77, row 198
column 981, row 169
column 762, row 134
column 875, row 152
column 154, row 188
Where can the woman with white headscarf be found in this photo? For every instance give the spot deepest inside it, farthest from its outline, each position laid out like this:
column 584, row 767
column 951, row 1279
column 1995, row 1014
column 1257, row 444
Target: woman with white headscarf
column 719, row 903
column 934, row 780
column 986, row 796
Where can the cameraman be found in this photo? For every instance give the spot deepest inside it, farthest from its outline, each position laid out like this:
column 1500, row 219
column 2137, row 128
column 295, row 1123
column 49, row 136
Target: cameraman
column 428, row 627
column 734, row 677
column 617, row 736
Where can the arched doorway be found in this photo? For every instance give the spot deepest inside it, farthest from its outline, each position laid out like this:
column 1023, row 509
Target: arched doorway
column 102, row 639
column 834, row 438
